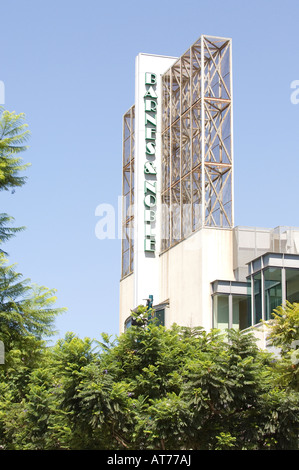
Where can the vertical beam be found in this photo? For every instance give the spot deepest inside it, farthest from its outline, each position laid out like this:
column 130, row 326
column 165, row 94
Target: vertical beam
column 263, row 293
column 232, row 135
column 180, row 183
column 283, row 286
column 202, row 131
column 170, row 157
column 230, row 311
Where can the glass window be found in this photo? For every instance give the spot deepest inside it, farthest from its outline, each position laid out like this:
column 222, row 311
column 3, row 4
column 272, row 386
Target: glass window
column 221, row 312
column 128, row 323
column 160, row 315
column 241, row 319
column 257, row 298
column 273, row 290
column 292, row 285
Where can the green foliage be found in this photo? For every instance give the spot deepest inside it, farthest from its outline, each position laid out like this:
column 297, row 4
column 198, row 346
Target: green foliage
column 285, row 326
column 7, row 232
column 26, row 311
column 225, row 441
column 151, row 388
column 284, row 334
column 13, row 135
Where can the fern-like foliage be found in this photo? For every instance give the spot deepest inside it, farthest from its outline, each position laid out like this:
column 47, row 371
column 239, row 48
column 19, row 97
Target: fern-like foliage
column 13, row 136
column 14, row 133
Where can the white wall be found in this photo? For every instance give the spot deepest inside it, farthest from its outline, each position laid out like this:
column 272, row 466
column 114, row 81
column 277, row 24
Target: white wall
column 186, row 272
column 146, row 266
column 126, row 297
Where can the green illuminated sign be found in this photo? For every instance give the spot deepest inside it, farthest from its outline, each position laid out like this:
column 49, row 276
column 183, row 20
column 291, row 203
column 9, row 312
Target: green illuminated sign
column 150, row 173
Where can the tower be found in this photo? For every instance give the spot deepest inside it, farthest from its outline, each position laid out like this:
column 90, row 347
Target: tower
column 178, row 181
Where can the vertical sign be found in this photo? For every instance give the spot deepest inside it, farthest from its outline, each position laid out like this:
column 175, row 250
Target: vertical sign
column 150, row 172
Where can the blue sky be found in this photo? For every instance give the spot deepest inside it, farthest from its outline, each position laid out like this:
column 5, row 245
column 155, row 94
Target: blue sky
column 69, row 66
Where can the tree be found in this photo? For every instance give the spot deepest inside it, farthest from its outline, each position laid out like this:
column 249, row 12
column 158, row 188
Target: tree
column 284, row 328
column 27, row 311
column 181, row 388
column 284, row 335
column 6, row 232
column 14, row 133
column 151, row 388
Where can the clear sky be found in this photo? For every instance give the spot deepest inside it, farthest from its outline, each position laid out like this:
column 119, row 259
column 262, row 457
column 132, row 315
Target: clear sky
column 69, row 66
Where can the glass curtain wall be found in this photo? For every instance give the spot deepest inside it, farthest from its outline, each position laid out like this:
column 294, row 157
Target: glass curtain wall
column 267, row 293
column 231, row 311
column 292, row 285
column 271, row 287
column 267, row 289
column 272, row 290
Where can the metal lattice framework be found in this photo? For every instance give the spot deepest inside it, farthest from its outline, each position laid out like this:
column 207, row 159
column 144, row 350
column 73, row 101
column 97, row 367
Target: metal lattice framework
column 197, row 160
column 127, row 265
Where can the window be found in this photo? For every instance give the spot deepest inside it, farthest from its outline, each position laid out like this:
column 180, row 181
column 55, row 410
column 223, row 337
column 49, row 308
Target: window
column 128, row 322
column 241, row 319
column 221, row 311
column 160, row 315
column 292, row 285
column 257, row 298
column 273, row 290
column 231, row 311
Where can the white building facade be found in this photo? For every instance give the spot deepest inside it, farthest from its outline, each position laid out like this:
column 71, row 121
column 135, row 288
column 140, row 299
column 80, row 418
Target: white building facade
column 179, row 244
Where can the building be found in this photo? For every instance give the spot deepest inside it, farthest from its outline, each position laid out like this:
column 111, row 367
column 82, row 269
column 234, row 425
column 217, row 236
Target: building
column 179, row 243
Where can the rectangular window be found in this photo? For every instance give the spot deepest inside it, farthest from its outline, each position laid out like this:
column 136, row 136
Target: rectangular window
column 221, row 311
column 292, row 285
column 257, row 298
column 160, row 315
column 240, row 316
column 272, row 289
column 231, row 311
